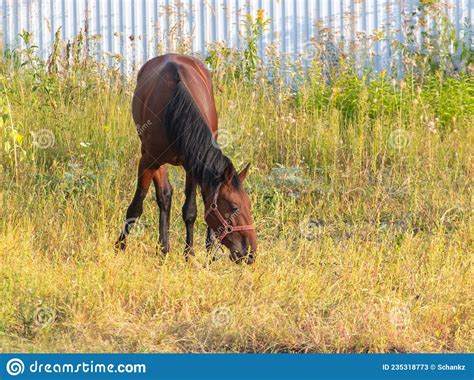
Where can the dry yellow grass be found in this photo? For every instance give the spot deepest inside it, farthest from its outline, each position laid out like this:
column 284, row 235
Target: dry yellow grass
column 365, row 239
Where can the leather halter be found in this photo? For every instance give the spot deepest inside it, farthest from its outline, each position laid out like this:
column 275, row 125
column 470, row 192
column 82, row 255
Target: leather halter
column 226, row 227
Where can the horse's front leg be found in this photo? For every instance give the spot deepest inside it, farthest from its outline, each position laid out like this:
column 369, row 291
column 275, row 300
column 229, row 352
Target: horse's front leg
column 164, row 194
column 210, row 239
column 189, row 214
column 210, row 236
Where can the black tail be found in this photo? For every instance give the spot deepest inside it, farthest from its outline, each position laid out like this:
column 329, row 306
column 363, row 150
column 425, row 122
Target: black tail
column 189, row 134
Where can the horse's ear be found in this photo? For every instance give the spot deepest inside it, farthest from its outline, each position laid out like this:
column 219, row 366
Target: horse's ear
column 244, row 172
column 228, row 175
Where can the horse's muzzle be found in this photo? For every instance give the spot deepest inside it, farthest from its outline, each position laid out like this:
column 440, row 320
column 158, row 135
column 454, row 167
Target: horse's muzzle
column 239, row 258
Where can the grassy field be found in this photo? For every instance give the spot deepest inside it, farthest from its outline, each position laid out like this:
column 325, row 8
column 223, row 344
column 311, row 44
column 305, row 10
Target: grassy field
column 361, row 191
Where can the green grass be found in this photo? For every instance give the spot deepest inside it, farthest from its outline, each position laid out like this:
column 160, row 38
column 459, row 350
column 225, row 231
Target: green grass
column 361, row 193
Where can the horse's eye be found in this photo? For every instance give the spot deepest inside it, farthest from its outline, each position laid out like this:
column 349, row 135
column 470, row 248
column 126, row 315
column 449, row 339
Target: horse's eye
column 235, row 209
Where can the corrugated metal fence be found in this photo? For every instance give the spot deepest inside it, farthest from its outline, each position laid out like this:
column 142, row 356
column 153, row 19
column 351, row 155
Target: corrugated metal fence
column 139, row 29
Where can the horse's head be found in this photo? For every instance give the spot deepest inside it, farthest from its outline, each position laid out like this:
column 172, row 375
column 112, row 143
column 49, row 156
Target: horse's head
column 228, row 215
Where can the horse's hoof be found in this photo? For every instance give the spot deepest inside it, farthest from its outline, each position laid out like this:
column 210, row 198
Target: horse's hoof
column 188, row 253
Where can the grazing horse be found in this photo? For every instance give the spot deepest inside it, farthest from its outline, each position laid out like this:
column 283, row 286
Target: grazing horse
column 174, row 111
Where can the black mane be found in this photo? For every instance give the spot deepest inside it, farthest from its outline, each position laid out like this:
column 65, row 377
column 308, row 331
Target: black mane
column 191, row 137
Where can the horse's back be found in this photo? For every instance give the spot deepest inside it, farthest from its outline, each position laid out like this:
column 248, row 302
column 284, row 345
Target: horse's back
column 156, row 84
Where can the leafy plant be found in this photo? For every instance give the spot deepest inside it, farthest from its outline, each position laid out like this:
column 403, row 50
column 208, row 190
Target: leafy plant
column 254, row 28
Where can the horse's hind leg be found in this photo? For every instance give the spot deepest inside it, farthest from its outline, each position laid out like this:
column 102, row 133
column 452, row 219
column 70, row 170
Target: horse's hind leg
column 134, row 211
column 164, row 193
column 189, row 214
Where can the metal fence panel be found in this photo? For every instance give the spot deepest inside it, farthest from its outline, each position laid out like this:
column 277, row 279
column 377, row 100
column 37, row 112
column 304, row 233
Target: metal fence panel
column 140, row 29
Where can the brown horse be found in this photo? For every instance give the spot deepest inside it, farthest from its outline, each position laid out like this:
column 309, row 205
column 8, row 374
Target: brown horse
column 174, row 111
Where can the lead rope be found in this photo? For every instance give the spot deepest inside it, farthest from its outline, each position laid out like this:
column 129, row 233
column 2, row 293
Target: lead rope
column 216, row 244
column 217, row 251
